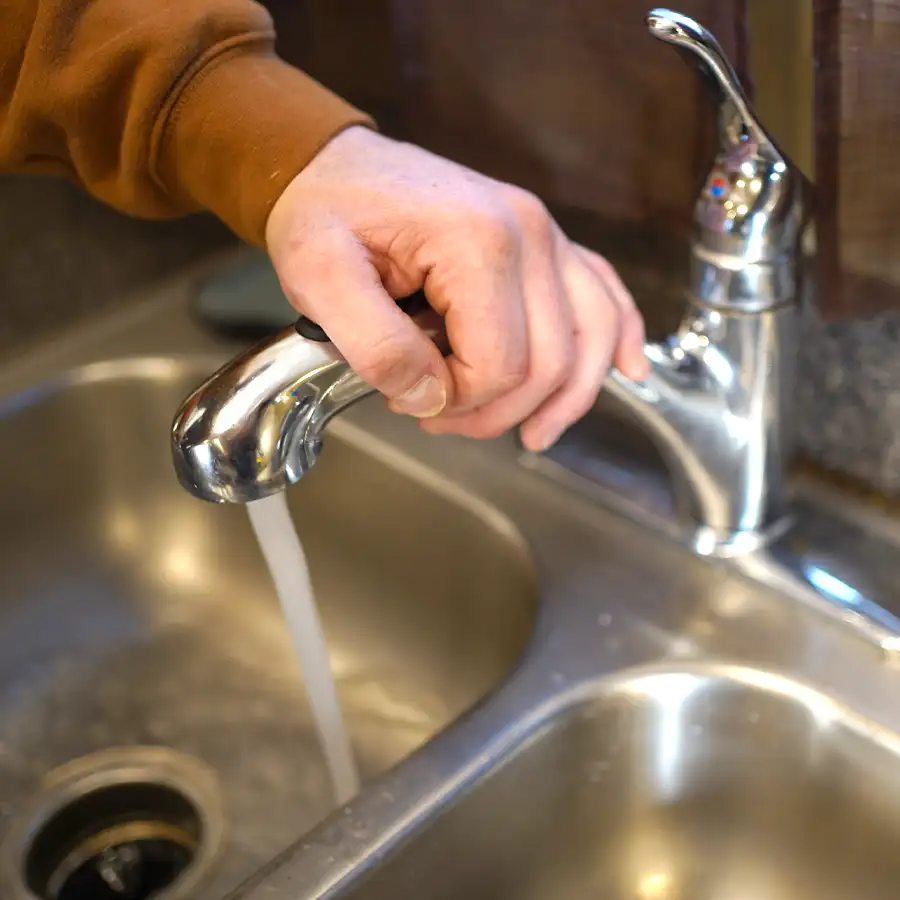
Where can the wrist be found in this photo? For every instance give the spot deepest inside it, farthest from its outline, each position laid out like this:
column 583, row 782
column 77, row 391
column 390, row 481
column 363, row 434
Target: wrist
column 240, row 129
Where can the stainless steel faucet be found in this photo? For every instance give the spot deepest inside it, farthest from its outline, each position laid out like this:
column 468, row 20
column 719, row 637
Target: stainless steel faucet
column 718, row 404
column 717, row 401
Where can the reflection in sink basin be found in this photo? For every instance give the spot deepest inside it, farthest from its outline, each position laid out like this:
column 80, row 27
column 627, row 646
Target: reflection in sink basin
column 680, row 785
column 134, row 614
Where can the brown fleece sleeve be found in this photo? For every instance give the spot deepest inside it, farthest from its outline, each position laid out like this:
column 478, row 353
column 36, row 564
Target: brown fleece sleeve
column 160, row 108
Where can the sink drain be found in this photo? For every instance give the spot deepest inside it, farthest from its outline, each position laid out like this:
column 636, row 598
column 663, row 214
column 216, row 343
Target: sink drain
column 130, row 824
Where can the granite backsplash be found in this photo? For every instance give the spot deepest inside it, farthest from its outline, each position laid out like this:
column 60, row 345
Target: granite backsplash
column 65, row 256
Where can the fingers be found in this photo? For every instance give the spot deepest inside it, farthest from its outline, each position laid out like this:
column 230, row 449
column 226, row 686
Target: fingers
column 629, row 356
column 474, row 281
column 579, row 318
column 533, row 320
column 331, row 279
column 600, row 323
column 550, row 339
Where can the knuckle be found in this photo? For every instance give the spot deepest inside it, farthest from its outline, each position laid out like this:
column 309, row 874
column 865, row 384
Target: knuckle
column 559, row 369
column 511, row 374
column 493, row 230
column 384, row 363
column 530, row 212
column 562, row 360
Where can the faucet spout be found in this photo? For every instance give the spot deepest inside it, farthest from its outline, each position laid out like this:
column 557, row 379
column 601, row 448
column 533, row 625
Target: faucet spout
column 255, row 426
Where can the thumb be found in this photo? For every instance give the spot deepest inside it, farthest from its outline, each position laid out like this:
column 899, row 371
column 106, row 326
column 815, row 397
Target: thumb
column 333, row 281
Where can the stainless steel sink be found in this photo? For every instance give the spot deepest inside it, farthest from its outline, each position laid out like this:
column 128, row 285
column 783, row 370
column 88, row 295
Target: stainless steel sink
column 548, row 700
column 134, row 615
column 693, row 783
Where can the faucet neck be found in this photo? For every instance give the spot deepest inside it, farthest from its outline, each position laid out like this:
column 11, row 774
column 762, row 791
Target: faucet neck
column 717, row 405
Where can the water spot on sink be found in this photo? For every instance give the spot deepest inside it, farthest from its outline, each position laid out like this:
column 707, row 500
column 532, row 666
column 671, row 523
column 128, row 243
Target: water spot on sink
column 753, row 718
column 558, row 678
column 681, row 647
column 604, row 620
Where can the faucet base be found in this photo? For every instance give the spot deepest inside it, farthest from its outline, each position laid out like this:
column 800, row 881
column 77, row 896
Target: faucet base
column 837, row 557
column 610, row 460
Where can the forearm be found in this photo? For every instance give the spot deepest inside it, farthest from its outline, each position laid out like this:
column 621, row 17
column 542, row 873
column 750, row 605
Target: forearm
column 160, row 108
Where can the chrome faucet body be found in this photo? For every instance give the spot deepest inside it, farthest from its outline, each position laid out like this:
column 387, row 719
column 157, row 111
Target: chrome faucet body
column 255, row 426
column 718, row 403
column 717, row 400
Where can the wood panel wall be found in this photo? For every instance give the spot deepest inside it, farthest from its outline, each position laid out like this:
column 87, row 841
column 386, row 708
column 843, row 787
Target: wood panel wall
column 857, row 148
column 571, row 99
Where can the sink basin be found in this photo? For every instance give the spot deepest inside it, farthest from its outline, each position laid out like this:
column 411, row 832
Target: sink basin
column 715, row 784
column 547, row 698
column 135, row 615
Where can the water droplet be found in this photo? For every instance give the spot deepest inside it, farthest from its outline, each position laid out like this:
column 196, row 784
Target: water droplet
column 604, row 620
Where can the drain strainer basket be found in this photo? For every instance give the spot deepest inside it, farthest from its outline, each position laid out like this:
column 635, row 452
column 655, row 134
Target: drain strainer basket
column 124, row 824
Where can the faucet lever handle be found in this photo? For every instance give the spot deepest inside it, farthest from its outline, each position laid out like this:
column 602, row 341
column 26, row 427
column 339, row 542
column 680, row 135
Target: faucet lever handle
column 738, row 123
column 413, row 305
column 755, row 204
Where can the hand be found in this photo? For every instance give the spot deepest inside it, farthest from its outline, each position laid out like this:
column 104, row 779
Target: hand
column 534, row 320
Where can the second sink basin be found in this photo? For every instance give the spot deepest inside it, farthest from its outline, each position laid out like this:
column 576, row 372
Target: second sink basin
column 703, row 784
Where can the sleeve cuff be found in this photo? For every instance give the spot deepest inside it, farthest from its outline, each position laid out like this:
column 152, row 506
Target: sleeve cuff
column 241, row 127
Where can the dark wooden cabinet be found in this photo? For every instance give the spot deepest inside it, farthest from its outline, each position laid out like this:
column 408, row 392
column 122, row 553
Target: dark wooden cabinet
column 857, row 154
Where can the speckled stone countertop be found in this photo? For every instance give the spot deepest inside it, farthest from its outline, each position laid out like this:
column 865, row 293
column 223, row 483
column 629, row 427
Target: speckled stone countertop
column 64, row 256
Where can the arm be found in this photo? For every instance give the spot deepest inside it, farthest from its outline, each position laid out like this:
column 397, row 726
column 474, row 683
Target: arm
column 160, row 108
column 164, row 107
